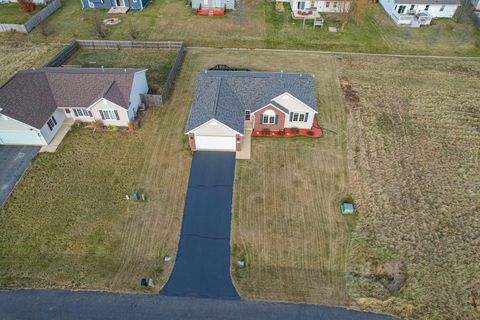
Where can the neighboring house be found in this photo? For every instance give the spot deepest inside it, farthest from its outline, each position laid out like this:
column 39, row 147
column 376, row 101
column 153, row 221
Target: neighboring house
column 319, row 6
column 416, row 13
column 228, row 103
column 15, row 1
column 107, row 4
column 476, row 4
column 34, row 103
column 227, row 4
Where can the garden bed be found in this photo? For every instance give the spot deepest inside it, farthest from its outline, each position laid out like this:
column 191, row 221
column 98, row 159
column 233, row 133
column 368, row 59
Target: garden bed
column 315, row 132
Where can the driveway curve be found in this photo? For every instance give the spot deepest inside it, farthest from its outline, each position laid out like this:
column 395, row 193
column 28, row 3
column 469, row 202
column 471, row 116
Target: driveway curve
column 202, row 265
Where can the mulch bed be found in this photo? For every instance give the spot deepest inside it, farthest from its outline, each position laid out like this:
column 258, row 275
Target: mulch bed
column 315, row 132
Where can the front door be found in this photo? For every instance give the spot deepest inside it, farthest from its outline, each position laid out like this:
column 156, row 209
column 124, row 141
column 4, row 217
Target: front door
column 120, row 3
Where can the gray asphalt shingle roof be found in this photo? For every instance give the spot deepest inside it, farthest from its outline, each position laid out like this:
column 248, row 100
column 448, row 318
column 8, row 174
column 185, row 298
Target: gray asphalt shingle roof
column 31, row 96
column 225, row 95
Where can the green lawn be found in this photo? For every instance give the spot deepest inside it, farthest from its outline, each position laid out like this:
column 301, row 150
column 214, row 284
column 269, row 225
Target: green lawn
column 158, row 62
column 11, row 13
column 256, row 24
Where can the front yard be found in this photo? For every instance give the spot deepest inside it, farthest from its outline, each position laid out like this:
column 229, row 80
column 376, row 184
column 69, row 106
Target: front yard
column 11, row 13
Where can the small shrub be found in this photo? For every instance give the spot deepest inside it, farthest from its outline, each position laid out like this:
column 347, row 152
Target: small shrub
column 294, row 131
column 133, row 30
column 45, row 28
column 114, row 128
column 99, row 28
column 97, row 124
column 281, row 132
column 26, row 5
column 266, row 131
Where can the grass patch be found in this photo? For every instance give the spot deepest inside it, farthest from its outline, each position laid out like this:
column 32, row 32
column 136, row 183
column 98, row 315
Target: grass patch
column 413, row 150
column 11, row 13
column 16, row 56
column 256, row 24
column 158, row 62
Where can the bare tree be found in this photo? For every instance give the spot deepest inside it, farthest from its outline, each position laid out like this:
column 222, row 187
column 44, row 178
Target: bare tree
column 133, row 30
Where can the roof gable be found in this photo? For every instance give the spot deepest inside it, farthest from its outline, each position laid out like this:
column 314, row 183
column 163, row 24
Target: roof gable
column 290, row 102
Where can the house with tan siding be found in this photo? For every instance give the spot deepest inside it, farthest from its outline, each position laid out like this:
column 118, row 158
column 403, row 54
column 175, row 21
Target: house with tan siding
column 35, row 103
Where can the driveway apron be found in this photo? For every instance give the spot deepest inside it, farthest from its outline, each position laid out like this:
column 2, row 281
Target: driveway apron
column 14, row 160
column 202, row 266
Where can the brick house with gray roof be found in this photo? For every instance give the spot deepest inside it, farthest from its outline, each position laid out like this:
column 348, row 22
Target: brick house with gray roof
column 35, row 103
column 227, row 103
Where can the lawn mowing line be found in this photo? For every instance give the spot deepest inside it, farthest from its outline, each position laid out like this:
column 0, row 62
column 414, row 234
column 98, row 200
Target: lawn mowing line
column 342, row 53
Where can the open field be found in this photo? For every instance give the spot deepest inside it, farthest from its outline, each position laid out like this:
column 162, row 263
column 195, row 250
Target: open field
column 414, row 155
column 405, row 145
column 11, row 13
column 256, row 24
column 158, row 62
column 24, row 55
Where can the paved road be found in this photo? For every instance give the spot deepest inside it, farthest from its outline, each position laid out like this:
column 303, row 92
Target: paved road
column 72, row 305
column 13, row 163
column 202, row 266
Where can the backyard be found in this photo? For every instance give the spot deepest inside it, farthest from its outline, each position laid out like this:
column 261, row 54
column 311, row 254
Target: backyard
column 16, row 56
column 401, row 139
column 11, row 13
column 158, row 62
column 258, row 25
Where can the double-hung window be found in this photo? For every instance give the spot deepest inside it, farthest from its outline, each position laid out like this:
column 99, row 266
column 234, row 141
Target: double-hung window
column 268, row 117
column 298, row 117
column 109, row 114
column 51, row 123
column 81, row 112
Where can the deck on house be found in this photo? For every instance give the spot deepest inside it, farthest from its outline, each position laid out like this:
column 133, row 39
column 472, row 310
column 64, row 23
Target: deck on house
column 118, row 10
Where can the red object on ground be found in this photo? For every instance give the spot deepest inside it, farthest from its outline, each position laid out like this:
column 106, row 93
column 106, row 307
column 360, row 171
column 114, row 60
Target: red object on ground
column 315, row 132
column 211, row 12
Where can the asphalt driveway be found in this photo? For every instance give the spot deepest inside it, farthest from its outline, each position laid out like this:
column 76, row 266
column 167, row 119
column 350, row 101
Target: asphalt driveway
column 14, row 160
column 202, row 266
column 72, row 305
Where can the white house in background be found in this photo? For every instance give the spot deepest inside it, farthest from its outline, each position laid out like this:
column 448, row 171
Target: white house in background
column 35, row 103
column 476, row 4
column 299, row 6
column 416, row 13
column 15, row 1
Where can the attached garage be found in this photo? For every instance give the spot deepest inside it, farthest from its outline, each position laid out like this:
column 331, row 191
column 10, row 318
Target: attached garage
column 26, row 137
column 215, row 143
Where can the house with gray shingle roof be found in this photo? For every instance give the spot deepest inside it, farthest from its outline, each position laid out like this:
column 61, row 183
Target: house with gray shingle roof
column 35, row 103
column 227, row 105
column 416, row 13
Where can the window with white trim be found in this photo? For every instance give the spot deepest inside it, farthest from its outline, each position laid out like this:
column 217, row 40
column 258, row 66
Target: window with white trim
column 109, row 114
column 298, row 117
column 82, row 112
column 269, row 117
column 442, row 8
column 51, row 123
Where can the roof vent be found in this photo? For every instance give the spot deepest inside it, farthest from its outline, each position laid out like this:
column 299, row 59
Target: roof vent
column 285, row 97
column 213, row 123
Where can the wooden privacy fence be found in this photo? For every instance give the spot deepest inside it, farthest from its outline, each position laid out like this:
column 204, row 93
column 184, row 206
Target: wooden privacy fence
column 147, row 99
column 33, row 21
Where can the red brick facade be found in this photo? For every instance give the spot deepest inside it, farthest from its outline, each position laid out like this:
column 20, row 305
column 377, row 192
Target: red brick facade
column 257, row 126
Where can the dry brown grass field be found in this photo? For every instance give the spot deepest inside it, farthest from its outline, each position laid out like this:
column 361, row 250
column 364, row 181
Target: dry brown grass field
column 24, row 55
column 414, row 155
column 404, row 144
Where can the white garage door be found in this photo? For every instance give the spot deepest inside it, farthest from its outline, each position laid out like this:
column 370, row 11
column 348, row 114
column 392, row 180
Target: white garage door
column 215, row 143
column 29, row 138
